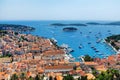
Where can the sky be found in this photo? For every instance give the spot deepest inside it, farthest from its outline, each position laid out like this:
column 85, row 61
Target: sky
column 59, row 9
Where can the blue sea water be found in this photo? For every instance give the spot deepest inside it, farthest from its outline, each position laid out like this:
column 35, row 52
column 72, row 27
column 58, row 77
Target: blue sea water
column 81, row 37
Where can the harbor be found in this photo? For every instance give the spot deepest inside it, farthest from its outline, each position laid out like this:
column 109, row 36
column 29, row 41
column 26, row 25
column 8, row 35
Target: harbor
column 86, row 40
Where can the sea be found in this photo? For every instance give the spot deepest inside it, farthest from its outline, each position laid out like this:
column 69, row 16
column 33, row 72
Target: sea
column 87, row 40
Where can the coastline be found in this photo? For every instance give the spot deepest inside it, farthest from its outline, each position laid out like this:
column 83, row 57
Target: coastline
column 68, row 38
column 110, row 46
column 68, row 56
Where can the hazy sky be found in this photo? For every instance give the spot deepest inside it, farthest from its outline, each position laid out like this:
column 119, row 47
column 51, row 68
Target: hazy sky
column 59, row 9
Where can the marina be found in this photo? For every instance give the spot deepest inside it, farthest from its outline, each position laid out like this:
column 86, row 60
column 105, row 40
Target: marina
column 86, row 40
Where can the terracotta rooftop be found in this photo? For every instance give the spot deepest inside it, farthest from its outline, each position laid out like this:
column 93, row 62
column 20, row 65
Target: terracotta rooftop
column 91, row 63
column 59, row 67
column 53, row 52
column 100, row 68
column 111, row 58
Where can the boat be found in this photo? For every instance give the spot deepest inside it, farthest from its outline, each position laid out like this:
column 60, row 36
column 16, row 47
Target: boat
column 52, row 32
column 92, row 47
column 72, row 59
column 107, row 48
column 108, row 31
column 98, row 41
column 90, row 32
column 70, row 55
column 87, row 36
column 64, row 46
column 96, row 51
column 89, row 42
column 80, row 32
column 99, row 33
column 100, row 53
column 70, row 50
column 80, row 47
column 81, row 58
column 97, row 37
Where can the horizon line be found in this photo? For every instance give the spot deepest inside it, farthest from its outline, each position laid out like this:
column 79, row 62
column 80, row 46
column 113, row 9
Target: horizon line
column 59, row 20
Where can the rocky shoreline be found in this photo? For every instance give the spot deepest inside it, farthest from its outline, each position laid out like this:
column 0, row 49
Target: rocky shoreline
column 17, row 28
column 111, row 46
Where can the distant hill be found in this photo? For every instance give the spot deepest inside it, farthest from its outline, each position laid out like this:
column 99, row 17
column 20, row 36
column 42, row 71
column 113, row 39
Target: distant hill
column 94, row 23
column 113, row 23
column 15, row 27
column 75, row 24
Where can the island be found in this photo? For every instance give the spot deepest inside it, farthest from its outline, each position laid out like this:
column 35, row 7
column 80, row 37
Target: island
column 69, row 29
column 58, row 24
column 14, row 27
column 117, row 23
column 114, row 23
column 93, row 23
column 75, row 24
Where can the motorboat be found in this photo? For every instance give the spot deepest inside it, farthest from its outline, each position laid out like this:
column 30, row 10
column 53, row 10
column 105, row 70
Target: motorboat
column 80, row 47
column 98, row 41
column 89, row 42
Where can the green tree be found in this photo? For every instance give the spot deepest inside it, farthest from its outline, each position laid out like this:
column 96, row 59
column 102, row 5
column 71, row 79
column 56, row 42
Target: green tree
column 22, row 76
column 115, row 73
column 79, row 78
column 37, row 77
column 30, row 78
column 14, row 77
column 110, row 74
column 74, row 67
column 68, row 77
column 55, row 78
column 16, row 33
column 88, row 58
column 83, row 78
column 50, row 78
column 95, row 73
column 42, row 77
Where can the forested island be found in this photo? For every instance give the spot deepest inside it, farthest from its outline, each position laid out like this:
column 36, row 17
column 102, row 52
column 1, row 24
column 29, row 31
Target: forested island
column 110, row 23
column 21, row 28
column 89, row 23
column 114, row 23
column 94, row 23
column 75, row 24
column 67, row 29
